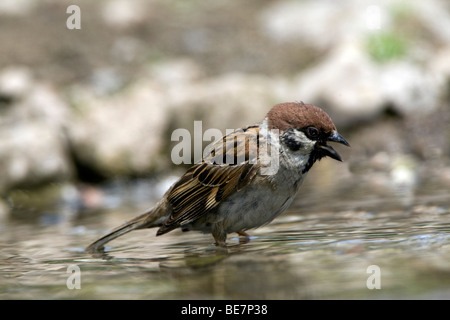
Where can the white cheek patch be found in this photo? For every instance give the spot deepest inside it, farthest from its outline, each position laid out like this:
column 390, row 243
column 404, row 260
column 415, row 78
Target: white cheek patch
column 297, row 141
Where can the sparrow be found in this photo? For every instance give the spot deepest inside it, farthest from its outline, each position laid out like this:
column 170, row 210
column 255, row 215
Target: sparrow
column 246, row 179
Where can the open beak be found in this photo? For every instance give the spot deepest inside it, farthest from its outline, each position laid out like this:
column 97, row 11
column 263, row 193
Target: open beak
column 328, row 150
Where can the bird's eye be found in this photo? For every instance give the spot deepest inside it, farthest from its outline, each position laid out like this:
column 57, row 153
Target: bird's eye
column 312, row 132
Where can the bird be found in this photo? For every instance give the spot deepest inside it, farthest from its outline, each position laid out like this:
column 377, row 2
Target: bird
column 245, row 179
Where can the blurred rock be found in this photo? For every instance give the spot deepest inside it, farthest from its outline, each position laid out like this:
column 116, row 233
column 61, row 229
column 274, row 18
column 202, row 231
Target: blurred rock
column 127, row 49
column 122, row 133
column 352, row 82
column 347, row 82
column 408, row 88
column 354, row 88
column 226, row 102
column 105, row 81
column 305, row 21
column 439, row 68
column 123, row 13
column 118, row 115
column 15, row 82
column 174, row 73
column 31, row 154
column 33, row 147
column 16, row 7
column 435, row 16
column 129, row 132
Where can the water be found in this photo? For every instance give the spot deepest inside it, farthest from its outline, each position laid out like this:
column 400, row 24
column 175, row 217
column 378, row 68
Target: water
column 308, row 253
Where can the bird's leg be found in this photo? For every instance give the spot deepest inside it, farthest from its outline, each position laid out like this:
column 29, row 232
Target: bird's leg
column 245, row 235
column 221, row 243
column 219, row 235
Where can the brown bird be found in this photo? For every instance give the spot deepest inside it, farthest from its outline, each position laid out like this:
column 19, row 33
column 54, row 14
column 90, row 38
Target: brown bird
column 247, row 179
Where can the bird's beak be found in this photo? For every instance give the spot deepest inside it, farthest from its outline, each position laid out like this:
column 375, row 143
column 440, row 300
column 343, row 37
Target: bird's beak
column 329, row 151
column 336, row 137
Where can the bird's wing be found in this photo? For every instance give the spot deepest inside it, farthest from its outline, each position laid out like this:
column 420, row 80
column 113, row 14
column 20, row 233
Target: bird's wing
column 222, row 172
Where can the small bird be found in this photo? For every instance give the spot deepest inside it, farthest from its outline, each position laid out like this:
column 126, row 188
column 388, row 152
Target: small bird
column 246, row 179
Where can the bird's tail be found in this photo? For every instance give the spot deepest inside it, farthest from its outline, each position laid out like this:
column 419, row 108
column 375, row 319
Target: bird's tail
column 150, row 219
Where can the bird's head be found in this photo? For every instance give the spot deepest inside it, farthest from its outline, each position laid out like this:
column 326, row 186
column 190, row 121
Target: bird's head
column 306, row 130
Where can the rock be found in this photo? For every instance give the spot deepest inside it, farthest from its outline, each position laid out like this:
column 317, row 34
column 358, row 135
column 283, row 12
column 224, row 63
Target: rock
column 129, row 132
column 120, row 134
column 351, row 81
column 353, row 87
column 122, row 13
column 33, row 148
column 439, row 68
column 298, row 21
column 408, row 88
column 31, row 154
column 105, row 81
column 322, row 25
column 115, row 126
column 176, row 72
column 15, row 82
column 346, row 82
column 16, row 7
column 435, row 16
column 229, row 101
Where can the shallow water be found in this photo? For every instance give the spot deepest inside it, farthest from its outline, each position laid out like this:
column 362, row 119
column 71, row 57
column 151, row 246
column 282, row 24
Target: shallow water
column 308, row 253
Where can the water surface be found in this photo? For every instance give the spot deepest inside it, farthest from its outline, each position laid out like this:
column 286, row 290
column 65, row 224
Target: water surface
column 314, row 251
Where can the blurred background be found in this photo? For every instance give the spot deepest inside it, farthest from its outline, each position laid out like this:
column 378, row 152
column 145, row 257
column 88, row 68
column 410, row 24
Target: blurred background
column 86, row 115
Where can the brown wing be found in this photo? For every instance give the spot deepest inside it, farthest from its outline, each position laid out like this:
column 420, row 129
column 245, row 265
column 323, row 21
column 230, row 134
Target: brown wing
column 209, row 182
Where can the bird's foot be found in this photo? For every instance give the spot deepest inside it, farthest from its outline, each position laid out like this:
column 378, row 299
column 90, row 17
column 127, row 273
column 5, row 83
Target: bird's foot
column 245, row 235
